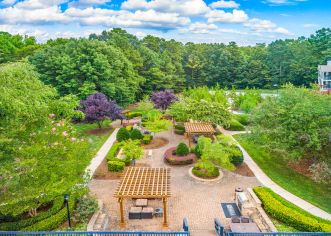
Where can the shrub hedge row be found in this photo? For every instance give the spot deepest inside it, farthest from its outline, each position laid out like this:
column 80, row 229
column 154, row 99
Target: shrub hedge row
column 18, row 225
column 116, row 166
column 112, row 153
column 53, row 221
column 289, row 213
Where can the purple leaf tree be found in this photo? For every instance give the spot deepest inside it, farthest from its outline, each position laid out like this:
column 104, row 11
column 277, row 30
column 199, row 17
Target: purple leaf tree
column 163, row 99
column 97, row 108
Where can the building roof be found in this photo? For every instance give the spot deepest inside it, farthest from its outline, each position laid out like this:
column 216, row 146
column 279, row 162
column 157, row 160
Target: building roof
column 199, row 128
column 144, row 182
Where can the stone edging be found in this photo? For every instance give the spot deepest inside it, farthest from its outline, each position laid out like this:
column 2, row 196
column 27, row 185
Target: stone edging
column 218, row 179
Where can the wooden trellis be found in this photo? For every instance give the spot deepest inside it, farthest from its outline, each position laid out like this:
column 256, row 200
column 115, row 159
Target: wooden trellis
column 198, row 128
column 144, row 182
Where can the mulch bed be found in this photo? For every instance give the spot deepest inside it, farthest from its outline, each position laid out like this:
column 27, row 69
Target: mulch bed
column 102, row 171
column 157, row 142
column 244, row 170
column 173, row 159
column 100, row 132
column 301, row 166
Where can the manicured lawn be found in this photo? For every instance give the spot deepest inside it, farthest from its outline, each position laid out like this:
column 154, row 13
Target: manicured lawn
column 95, row 141
column 276, row 168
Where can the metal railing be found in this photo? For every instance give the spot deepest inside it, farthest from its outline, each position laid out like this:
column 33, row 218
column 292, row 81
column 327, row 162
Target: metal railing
column 280, row 234
column 95, row 233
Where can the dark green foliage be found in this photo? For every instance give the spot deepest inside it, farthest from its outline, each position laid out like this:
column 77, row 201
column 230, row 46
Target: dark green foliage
column 135, row 134
column 86, row 206
column 289, row 213
column 182, row 150
column 236, row 156
column 116, row 166
column 113, row 151
column 18, row 225
column 54, row 221
column 180, row 127
column 179, row 131
column 147, row 138
column 235, row 126
column 122, row 135
column 205, row 169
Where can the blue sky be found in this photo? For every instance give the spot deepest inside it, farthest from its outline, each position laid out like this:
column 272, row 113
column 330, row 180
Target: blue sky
column 246, row 22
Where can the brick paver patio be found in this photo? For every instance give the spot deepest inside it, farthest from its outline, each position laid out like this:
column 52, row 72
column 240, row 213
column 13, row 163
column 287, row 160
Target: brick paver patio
column 198, row 201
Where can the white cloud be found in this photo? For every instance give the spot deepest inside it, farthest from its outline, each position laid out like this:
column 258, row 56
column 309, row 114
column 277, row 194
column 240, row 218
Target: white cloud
column 199, row 28
column 258, row 26
column 182, row 7
column 224, row 4
column 7, row 2
column 282, row 2
column 232, row 31
column 38, row 4
column 237, row 16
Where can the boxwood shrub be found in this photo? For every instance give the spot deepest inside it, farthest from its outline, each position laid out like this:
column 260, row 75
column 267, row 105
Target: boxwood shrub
column 112, row 153
column 135, row 134
column 54, row 221
column 289, row 213
column 235, row 126
column 122, row 135
column 116, row 166
column 18, row 225
column 179, row 131
column 182, row 150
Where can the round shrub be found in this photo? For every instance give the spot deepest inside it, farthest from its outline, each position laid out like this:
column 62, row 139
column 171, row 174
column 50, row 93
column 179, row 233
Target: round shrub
column 235, row 126
column 182, row 150
column 205, row 169
column 179, row 131
column 236, row 156
column 122, row 135
column 136, row 134
column 180, row 127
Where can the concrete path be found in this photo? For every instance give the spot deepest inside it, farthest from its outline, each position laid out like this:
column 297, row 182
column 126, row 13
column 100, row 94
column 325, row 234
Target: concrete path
column 266, row 181
column 101, row 154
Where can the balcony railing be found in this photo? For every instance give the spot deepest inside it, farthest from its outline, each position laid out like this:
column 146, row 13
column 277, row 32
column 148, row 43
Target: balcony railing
column 95, row 233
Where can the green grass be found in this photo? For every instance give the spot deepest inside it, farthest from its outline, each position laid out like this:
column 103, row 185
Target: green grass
column 282, row 227
column 95, row 141
column 276, row 168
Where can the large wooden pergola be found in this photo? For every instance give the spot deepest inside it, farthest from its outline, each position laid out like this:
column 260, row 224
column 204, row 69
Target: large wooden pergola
column 146, row 183
column 198, row 128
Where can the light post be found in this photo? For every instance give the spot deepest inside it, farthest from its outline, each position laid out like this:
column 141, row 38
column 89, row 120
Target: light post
column 66, row 200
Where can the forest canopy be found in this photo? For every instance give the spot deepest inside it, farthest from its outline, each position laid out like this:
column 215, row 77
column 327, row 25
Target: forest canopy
column 125, row 68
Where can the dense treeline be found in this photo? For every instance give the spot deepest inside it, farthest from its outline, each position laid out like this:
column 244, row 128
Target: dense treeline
column 125, row 68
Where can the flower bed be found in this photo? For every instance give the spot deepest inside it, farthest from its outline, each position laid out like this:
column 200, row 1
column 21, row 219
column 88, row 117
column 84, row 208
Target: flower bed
column 171, row 158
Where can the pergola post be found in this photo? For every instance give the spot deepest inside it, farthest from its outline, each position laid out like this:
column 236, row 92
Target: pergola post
column 165, row 221
column 122, row 223
column 189, row 139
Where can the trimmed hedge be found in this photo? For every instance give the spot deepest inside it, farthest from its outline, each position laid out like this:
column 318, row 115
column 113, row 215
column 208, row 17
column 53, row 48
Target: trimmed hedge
column 122, row 135
column 179, row 131
column 18, row 225
column 180, row 127
column 289, row 213
column 235, row 126
column 135, row 134
column 182, row 150
column 53, row 221
column 117, row 166
column 112, row 153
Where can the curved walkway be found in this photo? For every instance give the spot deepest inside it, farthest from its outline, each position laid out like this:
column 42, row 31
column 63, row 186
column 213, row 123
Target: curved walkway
column 266, row 181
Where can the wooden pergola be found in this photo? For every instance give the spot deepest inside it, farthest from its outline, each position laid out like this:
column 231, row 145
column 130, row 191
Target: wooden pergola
column 145, row 183
column 198, row 128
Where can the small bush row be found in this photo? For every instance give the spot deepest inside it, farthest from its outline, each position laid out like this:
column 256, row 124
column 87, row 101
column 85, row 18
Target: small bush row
column 133, row 114
column 54, row 221
column 289, row 213
column 15, row 226
column 116, row 165
column 128, row 133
